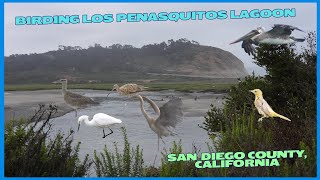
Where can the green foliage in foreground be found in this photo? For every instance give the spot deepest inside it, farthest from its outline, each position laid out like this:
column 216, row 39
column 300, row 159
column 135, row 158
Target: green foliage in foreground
column 180, row 168
column 290, row 89
column 29, row 151
column 129, row 163
column 186, row 87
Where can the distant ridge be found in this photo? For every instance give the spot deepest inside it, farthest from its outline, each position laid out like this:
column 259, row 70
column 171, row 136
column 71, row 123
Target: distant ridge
column 182, row 58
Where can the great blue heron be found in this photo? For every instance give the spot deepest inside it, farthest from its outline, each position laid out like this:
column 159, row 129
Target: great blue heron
column 168, row 116
column 99, row 120
column 75, row 101
column 263, row 107
column 279, row 34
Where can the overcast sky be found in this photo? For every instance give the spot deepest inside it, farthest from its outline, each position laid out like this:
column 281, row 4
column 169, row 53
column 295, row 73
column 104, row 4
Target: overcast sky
column 217, row 33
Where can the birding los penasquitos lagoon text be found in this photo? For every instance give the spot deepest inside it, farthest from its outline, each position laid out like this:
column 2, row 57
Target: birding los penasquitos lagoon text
column 237, row 159
column 155, row 16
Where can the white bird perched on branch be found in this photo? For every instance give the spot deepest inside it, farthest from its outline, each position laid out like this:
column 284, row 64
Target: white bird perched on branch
column 99, row 120
column 75, row 101
column 168, row 116
column 263, row 107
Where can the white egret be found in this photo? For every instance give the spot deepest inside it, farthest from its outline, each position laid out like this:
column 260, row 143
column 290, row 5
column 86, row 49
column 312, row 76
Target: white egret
column 99, row 120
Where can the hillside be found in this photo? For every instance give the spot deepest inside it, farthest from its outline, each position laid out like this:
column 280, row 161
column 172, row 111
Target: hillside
column 172, row 60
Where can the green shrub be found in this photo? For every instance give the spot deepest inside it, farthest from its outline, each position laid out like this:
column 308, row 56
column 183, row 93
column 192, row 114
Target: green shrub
column 29, row 151
column 239, row 102
column 178, row 168
column 129, row 163
column 290, row 89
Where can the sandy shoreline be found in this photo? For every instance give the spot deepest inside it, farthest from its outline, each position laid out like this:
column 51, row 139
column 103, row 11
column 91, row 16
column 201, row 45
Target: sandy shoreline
column 24, row 103
column 20, row 104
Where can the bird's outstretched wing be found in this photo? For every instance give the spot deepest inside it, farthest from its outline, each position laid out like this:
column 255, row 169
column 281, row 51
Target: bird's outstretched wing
column 171, row 113
column 282, row 29
column 153, row 105
column 248, row 47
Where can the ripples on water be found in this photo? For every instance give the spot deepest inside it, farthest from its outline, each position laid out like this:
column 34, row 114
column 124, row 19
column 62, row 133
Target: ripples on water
column 138, row 130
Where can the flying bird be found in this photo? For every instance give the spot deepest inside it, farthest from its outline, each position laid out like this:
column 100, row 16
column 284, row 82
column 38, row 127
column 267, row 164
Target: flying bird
column 279, row 34
column 99, row 120
column 168, row 116
column 75, row 101
column 263, row 107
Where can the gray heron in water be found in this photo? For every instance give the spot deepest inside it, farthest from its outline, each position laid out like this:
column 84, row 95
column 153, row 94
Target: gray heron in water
column 168, row 116
column 279, row 34
column 75, row 101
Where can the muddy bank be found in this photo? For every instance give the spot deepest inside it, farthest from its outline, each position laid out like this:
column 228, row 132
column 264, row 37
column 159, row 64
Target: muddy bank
column 20, row 104
column 24, row 103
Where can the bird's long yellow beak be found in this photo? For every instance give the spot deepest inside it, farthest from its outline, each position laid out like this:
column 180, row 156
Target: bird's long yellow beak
column 251, row 91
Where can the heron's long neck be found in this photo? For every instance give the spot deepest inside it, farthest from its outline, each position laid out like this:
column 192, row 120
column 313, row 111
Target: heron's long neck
column 64, row 88
column 117, row 88
column 153, row 105
column 88, row 122
column 149, row 119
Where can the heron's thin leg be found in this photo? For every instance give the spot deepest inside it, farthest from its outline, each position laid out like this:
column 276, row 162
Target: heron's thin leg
column 162, row 140
column 109, row 133
column 108, row 95
column 125, row 105
column 76, row 113
column 154, row 162
column 158, row 143
column 104, row 135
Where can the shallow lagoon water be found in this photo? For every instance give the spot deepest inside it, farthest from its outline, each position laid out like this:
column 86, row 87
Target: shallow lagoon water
column 138, row 130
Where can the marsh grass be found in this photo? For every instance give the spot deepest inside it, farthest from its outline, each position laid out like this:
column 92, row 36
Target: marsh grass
column 128, row 163
column 185, row 87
